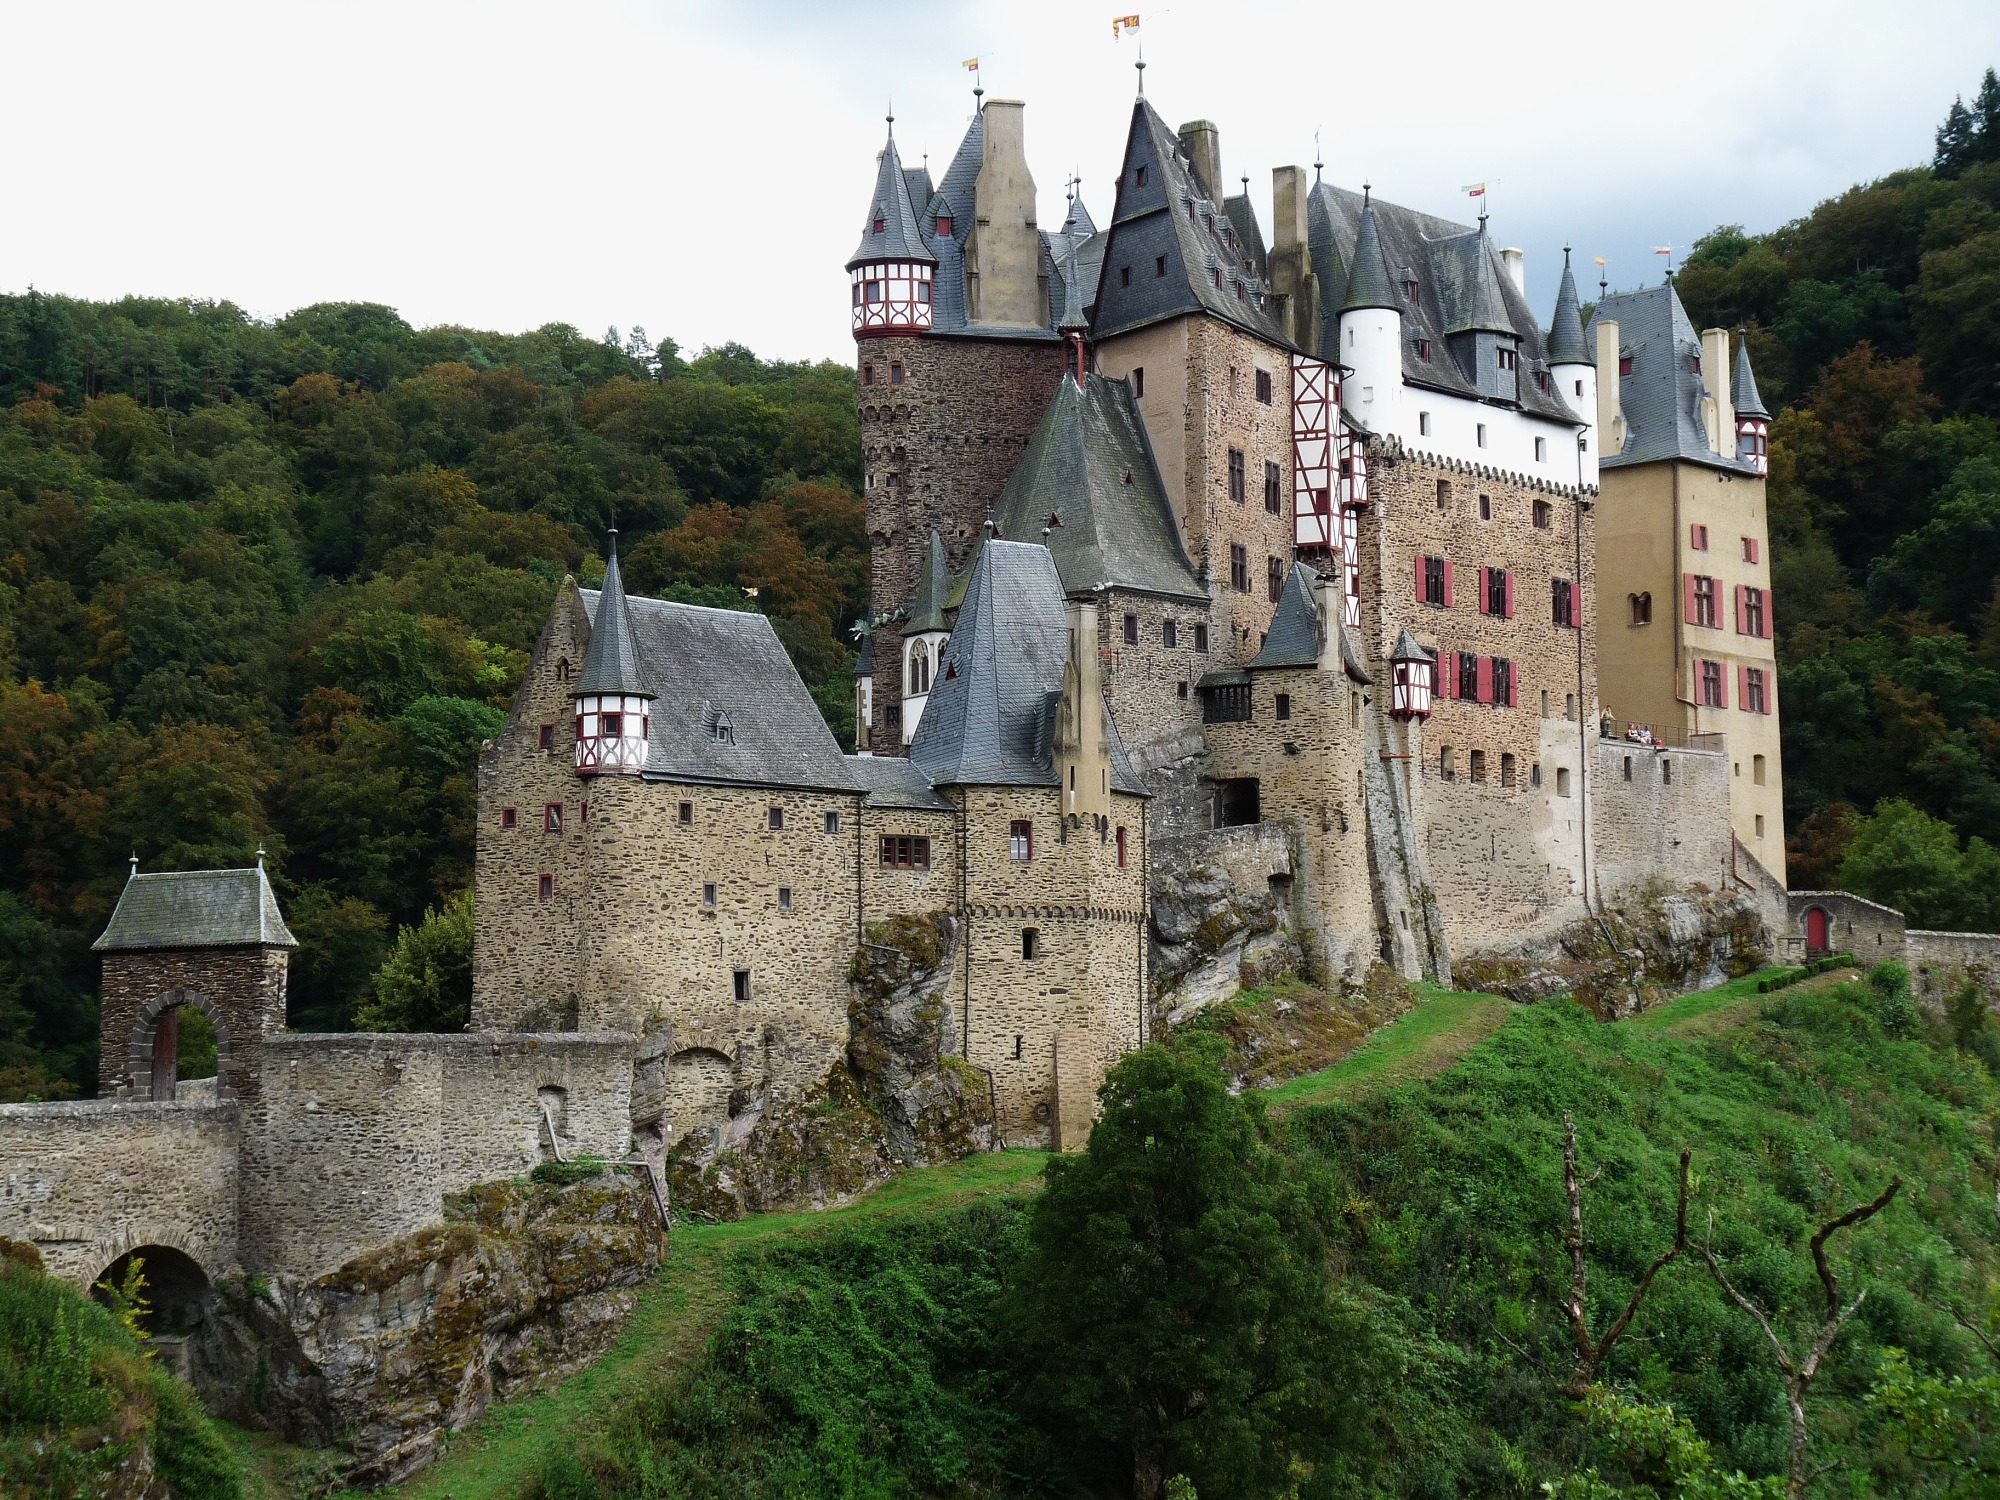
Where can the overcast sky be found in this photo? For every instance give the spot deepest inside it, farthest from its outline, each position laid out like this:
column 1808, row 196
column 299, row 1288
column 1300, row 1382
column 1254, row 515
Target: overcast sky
column 704, row 170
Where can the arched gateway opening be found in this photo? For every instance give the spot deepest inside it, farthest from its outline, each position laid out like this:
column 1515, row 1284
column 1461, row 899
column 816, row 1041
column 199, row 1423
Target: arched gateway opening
column 180, row 1039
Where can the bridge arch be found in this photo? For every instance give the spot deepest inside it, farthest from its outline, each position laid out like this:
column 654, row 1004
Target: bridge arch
column 179, row 1294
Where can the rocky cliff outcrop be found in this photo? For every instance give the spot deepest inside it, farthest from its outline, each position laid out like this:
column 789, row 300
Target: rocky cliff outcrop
column 1633, row 956
column 1221, row 916
column 899, row 1097
column 524, row 1283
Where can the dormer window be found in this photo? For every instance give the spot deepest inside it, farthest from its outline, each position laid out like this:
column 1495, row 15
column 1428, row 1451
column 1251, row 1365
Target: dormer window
column 722, row 730
column 1139, row 178
column 944, row 223
column 1509, row 359
column 1624, row 364
column 1542, row 381
column 1410, row 291
column 878, row 223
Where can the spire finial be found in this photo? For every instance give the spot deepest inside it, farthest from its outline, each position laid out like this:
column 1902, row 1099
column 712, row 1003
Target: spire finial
column 1565, row 257
column 135, row 862
column 611, row 539
column 992, row 527
column 1365, row 190
column 892, row 119
column 1317, row 154
column 1141, row 66
column 260, row 854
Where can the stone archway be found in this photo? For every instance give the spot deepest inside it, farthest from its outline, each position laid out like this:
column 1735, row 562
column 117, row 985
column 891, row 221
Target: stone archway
column 153, row 1054
column 1819, row 932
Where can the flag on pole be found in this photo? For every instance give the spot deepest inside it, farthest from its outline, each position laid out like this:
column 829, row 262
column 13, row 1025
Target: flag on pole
column 1599, row 259
column 1663, row 250
column 1122, row 24
column 1474, row 190
column 972, row 65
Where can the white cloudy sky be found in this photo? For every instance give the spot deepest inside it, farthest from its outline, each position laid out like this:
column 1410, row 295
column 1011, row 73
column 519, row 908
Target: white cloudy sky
column 703, row 170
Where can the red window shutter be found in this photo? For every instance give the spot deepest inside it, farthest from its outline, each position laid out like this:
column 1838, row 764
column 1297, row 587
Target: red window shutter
column 1485, row 586
column 1742, row 686
column 1514, row 687
column 1687, row 597
column 1722, row 686
column 1742, row 625
column 1485, row 676
column 1421, row 560
column 1770, row 690
column 1769, row 600
column 1507, row 582
column 1447, row 583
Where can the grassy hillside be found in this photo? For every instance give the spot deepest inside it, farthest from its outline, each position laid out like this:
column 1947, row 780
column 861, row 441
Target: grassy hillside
column 879, row 1350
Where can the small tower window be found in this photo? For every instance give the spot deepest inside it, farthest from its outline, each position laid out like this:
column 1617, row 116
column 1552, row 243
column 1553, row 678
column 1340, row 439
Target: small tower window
column 1159, row 265
column 740, row 984
column 1124, row 276
column 509, row 817
column 1139, row 177
column 708, row 896
column 545, row 888
column 547, row 739
column 614, row 725
column 1018, row 1041
column 1535, row 774
column 1131, row 630
column 775, row 818
column 1031, row 942
column 944, row 223
column 833, row 822
column 895, row 372
column 552, row 818
column 1482, row 434
column 687, row 814
column 1562, row 781
column 1121, row 842
column 1282, row 705
column 1485, row 507
column 1642, row 609
column 1201, row 638
column 1541, row 450
column 1423, row 419
column 724, row 732
column 1138, row 380
column 1021, row 839
column 1543, row 514
column 867, row 374
column 1264, row 386
column 784, row 898
column 1169, row 634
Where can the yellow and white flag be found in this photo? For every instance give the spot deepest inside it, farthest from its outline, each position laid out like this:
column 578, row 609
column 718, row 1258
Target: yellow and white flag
column 972, row 65
column 1122, row 24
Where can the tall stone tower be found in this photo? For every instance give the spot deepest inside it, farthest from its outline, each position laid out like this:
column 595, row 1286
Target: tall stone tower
column 957, row 357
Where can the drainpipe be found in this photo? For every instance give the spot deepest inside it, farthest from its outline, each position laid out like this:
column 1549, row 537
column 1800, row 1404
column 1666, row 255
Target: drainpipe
column 1582, row 696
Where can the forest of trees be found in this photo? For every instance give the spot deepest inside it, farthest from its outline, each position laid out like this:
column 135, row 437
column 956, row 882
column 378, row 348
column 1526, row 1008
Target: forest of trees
column 269, row 583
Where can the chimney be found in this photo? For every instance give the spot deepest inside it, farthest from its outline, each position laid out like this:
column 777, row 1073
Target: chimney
column 1003, row 254
column 1516, row 262
column 1203, row 144
column 1610, row 408
column 1718, row 411
column 1292, row 279
column 1082, row 748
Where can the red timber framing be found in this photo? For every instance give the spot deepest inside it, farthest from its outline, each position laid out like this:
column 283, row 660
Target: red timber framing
column 891, row 297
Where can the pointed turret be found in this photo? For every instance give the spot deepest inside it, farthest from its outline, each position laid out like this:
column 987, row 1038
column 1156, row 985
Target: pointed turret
column 613, row 700
column 1753, row 422
column 1371, row 330
column 1413, row 672
column 891, row 269
column 1566, row 343
column 1368, row 280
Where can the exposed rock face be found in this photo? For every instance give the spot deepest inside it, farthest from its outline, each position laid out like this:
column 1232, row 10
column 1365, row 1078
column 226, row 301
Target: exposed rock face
column 899, row 1097
column 1289, row 1028
column 1637, row 955
column 1221, row 917
column 400, row 1346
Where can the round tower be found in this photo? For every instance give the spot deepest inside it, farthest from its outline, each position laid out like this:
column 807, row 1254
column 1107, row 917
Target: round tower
column 1753, row 422
column 614, row 706
column 891, row 269
column 1573, row 369
column 1371, row 332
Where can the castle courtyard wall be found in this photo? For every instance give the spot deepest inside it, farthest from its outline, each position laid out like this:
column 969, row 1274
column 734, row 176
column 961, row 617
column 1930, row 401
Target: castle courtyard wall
column 1659, row 816
column 492, row 1094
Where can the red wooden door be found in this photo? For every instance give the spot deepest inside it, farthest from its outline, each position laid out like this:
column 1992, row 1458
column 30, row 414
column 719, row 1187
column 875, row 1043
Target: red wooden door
column 1816, row 930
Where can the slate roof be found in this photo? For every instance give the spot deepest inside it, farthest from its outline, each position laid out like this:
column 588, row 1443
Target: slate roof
column 611, row 660
column 955, row 196
column 1567, row 345
column 927, row 613
column 1461, row 288
column 864, row 656
column 1743, row 394
column 1250, row 251
column 1368, row 278
column 196, row 909
column 990, row 717
column 704, row 664
column 899, row 238
column 1090, row 463
column 892, row 781
column 1294, row 637
column 1152, row 219
column 1661, row 398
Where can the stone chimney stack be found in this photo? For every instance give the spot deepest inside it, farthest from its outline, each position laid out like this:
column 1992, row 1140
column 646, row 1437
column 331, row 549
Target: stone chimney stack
column 1003, row 254
column 1203, row 144
column 1292, row 279
column 1718, row 409
column 1610, row 406
column 1516, row 262
column 1082, row 747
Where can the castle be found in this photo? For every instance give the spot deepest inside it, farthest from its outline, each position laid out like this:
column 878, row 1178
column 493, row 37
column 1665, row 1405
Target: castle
column 1321, row 562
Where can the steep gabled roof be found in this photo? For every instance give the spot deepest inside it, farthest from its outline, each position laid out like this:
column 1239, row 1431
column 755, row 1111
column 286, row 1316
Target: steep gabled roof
column 1566, row 342
column 611, row 660
column 990, row 717
column 955, row 196
column 893, row 781
column 714, row 667
column 899, row 238
column 1743, row 393
column 1294, row 637
column 1661, row 398
column 1460, row 287
column 1152, row 220
column 196, row 909
column 1250, row 250
column 1090, row 463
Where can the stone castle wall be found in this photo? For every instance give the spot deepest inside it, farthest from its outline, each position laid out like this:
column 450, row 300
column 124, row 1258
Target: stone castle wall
column 493, row 1090
column 892, row 891
column 87, row 1181
column 937, row 449
column 1149, row 684
column 242, row 990
column 1659, row 816
column 1867, row 929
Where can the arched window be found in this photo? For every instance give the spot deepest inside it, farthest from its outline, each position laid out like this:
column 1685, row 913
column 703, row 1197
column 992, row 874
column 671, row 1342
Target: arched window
column 1642, row 609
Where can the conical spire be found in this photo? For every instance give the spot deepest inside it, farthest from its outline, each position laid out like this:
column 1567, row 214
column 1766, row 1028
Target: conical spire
column 611, row 661
column 1566, row 345
column 1743, row 395
column 1368, row 282
column 927, row 613
column 890, row 231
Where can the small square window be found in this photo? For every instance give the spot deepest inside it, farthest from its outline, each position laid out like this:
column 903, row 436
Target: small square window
column 548, row 737
column 775, row 818
column 740, row 983
column 545, row 888
column 833, row 822
column 509, row 817
column 784, row 898
column 552, row 818
column 686, row 813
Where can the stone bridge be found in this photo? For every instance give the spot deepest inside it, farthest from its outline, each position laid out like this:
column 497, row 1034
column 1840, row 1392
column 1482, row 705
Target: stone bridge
column 89, row 1182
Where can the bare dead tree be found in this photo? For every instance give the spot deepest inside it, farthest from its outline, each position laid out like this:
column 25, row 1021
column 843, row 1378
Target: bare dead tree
column 1592, row 1350
column 1800, row 1374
